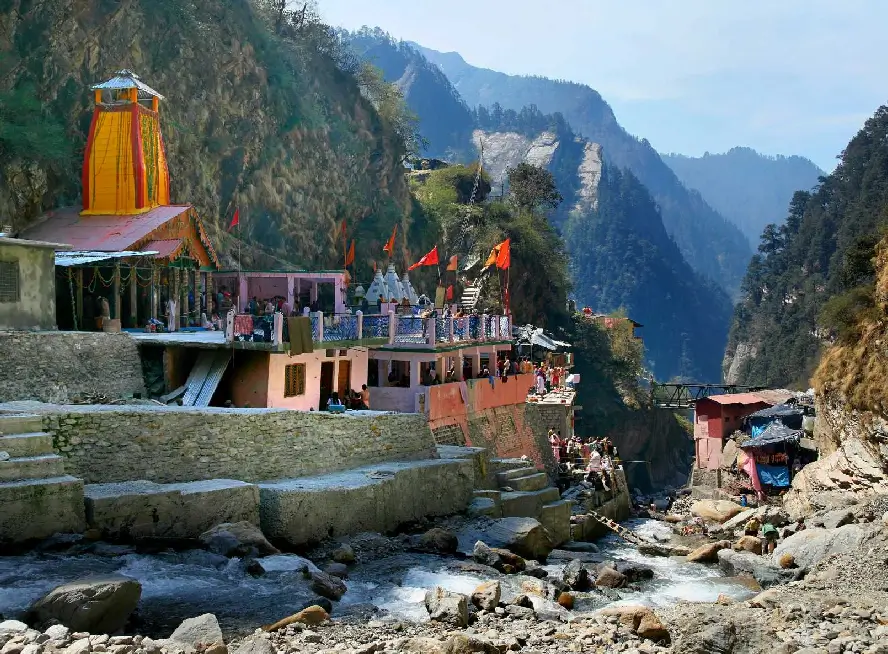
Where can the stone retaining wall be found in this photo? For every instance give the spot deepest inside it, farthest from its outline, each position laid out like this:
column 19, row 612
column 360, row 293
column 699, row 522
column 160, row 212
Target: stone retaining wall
column 60, row 366
column 105, row 444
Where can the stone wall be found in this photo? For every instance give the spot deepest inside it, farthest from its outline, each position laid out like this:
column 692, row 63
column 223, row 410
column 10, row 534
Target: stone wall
column 105, row 444
column 60, row 366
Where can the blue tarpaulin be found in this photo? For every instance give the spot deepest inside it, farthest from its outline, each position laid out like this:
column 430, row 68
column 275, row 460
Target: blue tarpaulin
column 773, row 475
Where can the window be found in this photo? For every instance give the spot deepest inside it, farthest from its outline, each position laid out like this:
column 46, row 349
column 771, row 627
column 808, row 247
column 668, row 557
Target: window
column 294, row 380
column 9, row 281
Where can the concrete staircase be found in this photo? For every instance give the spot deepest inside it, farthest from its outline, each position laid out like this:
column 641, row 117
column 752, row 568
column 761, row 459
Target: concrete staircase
column 470, row 296
column 524, row 492
column 38, row 499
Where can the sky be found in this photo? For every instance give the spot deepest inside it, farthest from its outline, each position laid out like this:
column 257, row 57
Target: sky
column 781, row 76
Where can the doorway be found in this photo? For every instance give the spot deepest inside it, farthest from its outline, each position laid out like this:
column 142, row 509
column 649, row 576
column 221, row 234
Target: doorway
column 326, row 383
column 344, row 385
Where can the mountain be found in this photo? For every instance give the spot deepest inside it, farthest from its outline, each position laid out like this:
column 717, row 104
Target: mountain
column 749, row 189
column 813, row 278
column 711, row 244
column 261, row 111
column 445, row 120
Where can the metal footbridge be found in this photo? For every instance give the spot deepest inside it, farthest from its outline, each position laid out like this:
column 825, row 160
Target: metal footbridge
column 686, row 395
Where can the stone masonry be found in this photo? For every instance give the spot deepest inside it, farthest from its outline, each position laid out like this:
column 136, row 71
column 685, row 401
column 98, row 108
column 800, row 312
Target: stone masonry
column 107, row 443
column 59, row 366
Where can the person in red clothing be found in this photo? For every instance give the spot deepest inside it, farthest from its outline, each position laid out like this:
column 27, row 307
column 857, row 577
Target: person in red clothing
column 557, row 444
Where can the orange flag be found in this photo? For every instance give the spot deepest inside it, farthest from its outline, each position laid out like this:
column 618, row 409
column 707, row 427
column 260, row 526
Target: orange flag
column 343, row 229
column 448, row 295
column 504, row 258
column 494, row 253
column 452, row 265
column 390, row 245
column 430, row 259
column 350, row 257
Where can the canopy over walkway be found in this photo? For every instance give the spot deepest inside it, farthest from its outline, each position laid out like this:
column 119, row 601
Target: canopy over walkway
column 685, row 395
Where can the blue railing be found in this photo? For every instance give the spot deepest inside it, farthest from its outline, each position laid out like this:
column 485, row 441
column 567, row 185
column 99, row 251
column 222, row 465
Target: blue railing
column 341, row 328
column 411, row 330
column 376, row 326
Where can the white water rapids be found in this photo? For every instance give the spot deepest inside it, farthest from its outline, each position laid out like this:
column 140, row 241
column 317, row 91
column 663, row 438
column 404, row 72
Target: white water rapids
column 178, row 585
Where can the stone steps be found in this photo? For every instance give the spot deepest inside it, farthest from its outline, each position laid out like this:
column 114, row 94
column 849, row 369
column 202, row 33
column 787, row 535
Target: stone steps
column 26, row 444
column 555, row 517
column 532, row 482
column 44, row 466
column 527, row 504
column 20, row 424
column 503, row 478
column 39, row 508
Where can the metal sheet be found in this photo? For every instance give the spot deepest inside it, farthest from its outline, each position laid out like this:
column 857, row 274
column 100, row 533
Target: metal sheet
column 198, row 376
column 212, row 381
column 82, row 257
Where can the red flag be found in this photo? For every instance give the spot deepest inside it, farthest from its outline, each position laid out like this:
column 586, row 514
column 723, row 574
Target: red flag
column 350, row 257
column 448, row 294
column 452, row 265
column 504, row 257
column 235, row 221
column 343, row 229
column 374, row 267
column 390, row 245
column 430, row 259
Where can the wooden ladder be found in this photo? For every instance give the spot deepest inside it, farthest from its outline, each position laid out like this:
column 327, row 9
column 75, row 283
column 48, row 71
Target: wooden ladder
column 621, row 531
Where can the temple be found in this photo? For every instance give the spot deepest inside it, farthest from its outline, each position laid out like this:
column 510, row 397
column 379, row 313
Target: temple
column 147, row 258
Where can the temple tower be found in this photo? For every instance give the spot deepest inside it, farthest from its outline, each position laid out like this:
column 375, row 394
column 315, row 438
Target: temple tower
column 125, row 167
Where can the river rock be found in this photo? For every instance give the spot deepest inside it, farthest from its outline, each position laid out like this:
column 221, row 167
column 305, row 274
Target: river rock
column 469, row 644
column 422, row 645
column 12, row 627
column 254, row 645
column 437, row 541
column 566, row 600
column 815, row 544
column 198, row 634
column 580, row 546
column 658, row 549
column 641, row 620
column 237, row 539
column 328, row 586
column 749, row 544
column 96, row 605
column 343, row 554
column 576, row 575
column 525, row 537
column 746, row 563
column 634, row 571
column 337, row 570
column 610, row 578
column 312, row 615
column 487, row 596
column 833, row 519
column 447, row 607
column 715, row 510
column 497, row 558
column 708, row 553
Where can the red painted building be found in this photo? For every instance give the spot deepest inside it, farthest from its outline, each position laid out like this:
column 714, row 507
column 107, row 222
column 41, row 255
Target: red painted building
column 718, row 416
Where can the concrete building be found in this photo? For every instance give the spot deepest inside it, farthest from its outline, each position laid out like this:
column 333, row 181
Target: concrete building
column 27, row 284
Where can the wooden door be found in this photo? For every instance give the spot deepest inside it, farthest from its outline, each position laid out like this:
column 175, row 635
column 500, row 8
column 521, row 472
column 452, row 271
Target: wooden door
column 326, row 383
column 344, row 385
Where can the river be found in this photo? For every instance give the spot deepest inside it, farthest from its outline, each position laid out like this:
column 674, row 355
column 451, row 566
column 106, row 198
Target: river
column 178, row 585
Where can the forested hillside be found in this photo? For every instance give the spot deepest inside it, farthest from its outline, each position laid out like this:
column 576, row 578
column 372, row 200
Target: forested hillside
column 749, row 189
column 813, row 277
column 711, row 244
column 628, row 260
column 263, row 110
column 444, row 120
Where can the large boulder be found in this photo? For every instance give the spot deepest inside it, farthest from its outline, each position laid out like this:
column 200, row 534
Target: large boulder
column 735, row 564
column 810, row 546
column 436, row 541
column 833, row 519
column 576, row 575
column 487, row 596
column 659, row 549
column 237, row 539
column 708, row 553
column 776, row 515
column 198, row 634
column 641, row 620
column 634, row 571
column 499, row 559
column 447, row 607
column 715, row 510
column 98, row 605
column 255, row 645
column 729, row 454
column 328, row 586
column 749, row 544
column 523, row 536
column 610, row 578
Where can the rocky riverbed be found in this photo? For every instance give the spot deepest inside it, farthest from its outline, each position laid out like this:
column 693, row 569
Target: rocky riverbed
column 443, row 591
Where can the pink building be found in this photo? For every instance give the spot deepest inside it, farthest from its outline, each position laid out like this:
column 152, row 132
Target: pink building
column 715, row 418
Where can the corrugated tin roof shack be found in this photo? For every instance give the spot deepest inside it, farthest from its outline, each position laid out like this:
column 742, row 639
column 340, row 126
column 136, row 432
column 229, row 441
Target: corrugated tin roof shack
column 773, row 457
column 789, row 415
